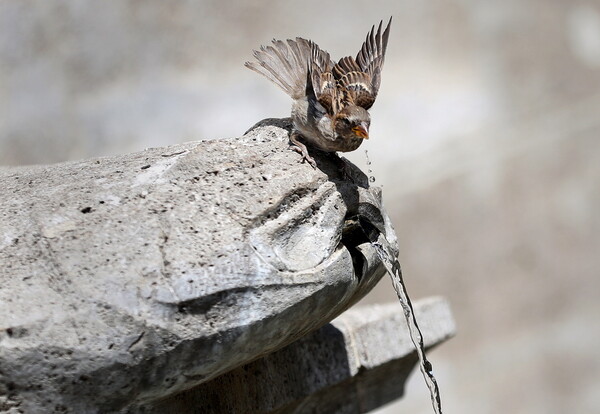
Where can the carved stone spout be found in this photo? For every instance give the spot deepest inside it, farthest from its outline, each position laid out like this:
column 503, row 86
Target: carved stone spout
column 127, row 279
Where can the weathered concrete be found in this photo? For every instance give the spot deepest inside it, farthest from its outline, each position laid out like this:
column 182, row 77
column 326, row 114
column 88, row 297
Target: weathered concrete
column 357, row 363
column 127, row 279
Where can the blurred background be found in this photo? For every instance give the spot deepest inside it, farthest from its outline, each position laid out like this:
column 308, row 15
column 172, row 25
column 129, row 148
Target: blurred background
column 485, row 139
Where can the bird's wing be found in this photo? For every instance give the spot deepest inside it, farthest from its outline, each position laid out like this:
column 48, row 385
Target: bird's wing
column 371, row 56
column 360, row 78
column 285, row 63
column 354, row 84
column 323, row 82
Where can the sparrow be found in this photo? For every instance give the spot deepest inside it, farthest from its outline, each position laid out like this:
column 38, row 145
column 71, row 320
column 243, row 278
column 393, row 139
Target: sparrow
column 330, row 100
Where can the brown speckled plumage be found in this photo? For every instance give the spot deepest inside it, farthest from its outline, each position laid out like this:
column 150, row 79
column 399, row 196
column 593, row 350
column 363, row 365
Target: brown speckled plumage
column 330, row 100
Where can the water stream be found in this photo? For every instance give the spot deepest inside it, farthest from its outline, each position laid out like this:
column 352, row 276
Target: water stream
column 392, row 265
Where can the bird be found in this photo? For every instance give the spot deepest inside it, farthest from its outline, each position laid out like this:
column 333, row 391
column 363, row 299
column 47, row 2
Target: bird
column 330, row 100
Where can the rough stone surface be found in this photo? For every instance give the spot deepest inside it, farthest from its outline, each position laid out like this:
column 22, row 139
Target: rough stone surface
column 355, row 364
column 127, row 279
column 485, row 139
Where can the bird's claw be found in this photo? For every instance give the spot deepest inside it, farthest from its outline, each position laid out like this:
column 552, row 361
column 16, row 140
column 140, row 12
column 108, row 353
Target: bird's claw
column 302, row 150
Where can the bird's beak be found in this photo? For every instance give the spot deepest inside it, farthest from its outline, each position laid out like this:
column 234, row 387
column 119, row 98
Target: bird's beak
column 361, row 131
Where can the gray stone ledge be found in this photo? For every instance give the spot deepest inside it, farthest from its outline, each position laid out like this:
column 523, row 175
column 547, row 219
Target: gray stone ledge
column 358, row 362
column 128, row 279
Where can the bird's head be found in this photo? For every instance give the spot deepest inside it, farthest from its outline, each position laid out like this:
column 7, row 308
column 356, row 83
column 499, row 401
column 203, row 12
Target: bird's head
column 352, row 122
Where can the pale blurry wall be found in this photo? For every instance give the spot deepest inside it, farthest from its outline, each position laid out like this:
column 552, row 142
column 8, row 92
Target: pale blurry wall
column 485, row 138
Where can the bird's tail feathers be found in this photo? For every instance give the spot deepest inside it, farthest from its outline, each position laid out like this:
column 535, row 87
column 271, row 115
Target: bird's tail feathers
column 285, row 63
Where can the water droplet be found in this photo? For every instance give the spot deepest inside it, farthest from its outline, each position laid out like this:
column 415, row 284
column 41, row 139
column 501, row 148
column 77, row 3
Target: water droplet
column 369, row 170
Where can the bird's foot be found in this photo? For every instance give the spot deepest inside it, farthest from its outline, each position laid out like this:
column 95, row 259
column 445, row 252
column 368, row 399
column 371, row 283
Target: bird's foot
column 301, row 149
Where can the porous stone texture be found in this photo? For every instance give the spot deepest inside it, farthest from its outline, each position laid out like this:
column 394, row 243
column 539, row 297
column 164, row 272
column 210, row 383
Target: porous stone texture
column 128, row 279
column 485, row 139
column 358, row 362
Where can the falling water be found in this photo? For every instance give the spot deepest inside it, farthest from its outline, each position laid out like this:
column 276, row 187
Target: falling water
column 393, row 267
column 369, row 170
column 385, row 253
